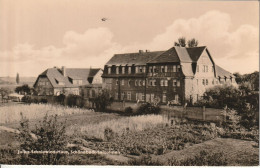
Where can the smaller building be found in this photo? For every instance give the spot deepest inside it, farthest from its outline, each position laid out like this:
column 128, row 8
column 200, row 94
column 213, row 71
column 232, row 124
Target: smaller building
column 56, row 81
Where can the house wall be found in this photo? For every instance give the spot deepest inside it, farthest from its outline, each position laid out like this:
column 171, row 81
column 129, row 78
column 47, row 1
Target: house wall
column 43, row 86
column 97, row 78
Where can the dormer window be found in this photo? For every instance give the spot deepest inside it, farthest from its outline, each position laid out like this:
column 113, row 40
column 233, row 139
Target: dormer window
column 117, row 70
column 129, row 70
column 136, row 69
column 123, row 70
column 109, row 70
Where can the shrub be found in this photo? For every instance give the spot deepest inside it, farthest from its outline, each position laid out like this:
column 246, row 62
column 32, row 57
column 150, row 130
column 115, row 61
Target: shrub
column 103, row 100
column 147, row 108
column 74, row 101
column 43, row 100
column 129, row 110
column 49, row 136
column 26, row 99
column 108, row 134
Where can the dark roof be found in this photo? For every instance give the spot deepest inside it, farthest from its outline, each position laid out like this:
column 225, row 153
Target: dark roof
column 140, row 58
column 167, row 56
column 195, row 52
column 220, row 72
column 55, row 76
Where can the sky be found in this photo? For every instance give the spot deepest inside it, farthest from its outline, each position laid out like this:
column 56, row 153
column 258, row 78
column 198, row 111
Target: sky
column 40, row 34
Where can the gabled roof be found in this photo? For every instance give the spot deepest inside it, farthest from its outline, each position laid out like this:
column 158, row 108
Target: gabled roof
column 195, row 52
column 167, row 56
column 140, row 58
column 220, row 72
column 57, row 79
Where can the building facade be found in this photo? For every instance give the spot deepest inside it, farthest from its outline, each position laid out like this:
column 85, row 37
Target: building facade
column 56, row 81
column 178, row 75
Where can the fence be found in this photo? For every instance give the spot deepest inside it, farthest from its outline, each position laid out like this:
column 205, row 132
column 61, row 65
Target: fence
column 197, row 113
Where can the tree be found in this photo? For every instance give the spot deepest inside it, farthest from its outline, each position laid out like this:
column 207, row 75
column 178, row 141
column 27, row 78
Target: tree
column 49, row 135
column 181, row 42
column 25, row 89
column 103, row 100
column 4, row 92
column 193, row 42
column 17, row 78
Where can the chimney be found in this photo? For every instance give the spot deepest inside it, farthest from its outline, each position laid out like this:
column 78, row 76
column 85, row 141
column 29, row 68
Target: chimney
column 147, row 51
column 63, row 69
column 141, row 51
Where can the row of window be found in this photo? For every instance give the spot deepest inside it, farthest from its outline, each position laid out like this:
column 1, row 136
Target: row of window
column 152, row 69
column 43, row 83
column 163, row 82
column 141, row 97
column 205, row 68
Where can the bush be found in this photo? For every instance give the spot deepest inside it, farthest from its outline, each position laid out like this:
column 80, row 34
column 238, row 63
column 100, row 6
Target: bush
column 26, row 99
column 74, row 101
column 49, row 135
column 147, row 108
column 129, row 110
column 43, row 100
column 103, row 100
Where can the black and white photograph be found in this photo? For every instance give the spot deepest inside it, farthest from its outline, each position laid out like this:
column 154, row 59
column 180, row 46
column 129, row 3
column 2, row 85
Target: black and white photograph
column 129, row 82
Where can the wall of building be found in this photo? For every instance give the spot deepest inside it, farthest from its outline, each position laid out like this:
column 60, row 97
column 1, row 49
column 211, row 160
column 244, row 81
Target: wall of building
column 43, row 86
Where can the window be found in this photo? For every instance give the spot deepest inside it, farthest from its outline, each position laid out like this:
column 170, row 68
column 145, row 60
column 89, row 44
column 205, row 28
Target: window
column 140, row 69
column 123, row 70
column 136, row 83
column 207, row 82
column 142, row 97
column 178, row 68
column 122, row 95
column 144, row 69
column 128, row 95
column 154, row 69
column 203, row 81
column 123, row 82
column 164, row 98
column 136, row 69
column 178, row 83
column 174, row 82
column 150, row 69
column 198, row 68
column 117, row 82
column 207, row 68
column 166, row 82
column 165, row 68
column 151, row 82
column 129, row 70
column 154, row 82
column 140, row 82
column 176, row 98
column 162, row 69
column 117, row 70
column 109, row 70
column 143, row 82
column 174, row 68
column 128, row 82
column 161, row 82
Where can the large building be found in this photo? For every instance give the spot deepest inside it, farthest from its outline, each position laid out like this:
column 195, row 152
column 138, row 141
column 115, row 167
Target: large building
column 178, row 75
column 56, row 81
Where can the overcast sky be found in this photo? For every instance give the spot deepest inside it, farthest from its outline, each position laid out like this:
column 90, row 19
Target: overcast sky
column 40, row 34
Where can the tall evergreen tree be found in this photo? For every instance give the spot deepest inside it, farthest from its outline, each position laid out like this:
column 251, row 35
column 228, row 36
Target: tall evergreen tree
column 17, row 78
